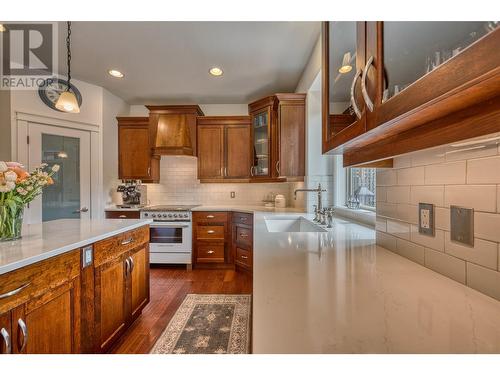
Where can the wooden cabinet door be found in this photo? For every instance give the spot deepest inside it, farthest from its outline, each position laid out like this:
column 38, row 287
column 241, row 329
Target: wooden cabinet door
column 139, row 280
column 210, row 152
column 5, row 333
column 110, row 301
column 292, row 145
column 135, row 160
column 262, row 139
column 237, row 151
column 50, row 323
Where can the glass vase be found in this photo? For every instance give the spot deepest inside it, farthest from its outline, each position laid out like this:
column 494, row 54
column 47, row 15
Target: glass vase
column 11, row 222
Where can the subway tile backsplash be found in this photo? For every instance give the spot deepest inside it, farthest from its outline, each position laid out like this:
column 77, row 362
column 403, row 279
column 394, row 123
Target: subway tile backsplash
column 470, row 179
column 179, row 185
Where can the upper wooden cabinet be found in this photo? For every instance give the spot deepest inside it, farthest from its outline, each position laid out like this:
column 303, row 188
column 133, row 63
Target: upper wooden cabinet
column 135, row 159
column 223, row 148
column 278, row 138
column 412, row 85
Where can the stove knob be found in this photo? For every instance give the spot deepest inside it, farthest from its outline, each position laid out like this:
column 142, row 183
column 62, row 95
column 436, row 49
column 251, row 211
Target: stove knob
column 146, row 214
column 175, row 215
column 153, row 215
column 169, row 215
column 186, row 215
column 164, row 215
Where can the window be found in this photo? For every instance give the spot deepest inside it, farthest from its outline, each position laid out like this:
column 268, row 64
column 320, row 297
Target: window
column 360, row 189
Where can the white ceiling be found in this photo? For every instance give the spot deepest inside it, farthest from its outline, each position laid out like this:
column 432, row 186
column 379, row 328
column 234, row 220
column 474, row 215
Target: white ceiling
column 168, row 62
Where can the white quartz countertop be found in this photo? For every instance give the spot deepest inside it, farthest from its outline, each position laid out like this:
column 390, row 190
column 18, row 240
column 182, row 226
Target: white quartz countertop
column 337, row 292
column 247, row 209
column 42, row 241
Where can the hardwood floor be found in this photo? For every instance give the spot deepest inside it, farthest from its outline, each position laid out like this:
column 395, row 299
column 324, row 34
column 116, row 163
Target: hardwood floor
column 169, row 287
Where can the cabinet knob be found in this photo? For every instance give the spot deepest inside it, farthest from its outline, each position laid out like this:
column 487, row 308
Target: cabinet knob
column 244, row 257
column 122, row 216
column 210, row 252
column 210, row 231
column 210, row 216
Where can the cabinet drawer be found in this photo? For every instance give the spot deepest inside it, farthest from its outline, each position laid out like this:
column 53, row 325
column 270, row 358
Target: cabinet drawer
column 210, row 232
column 122, row 215
column 243, row 236
column 19, row 286
column 243, row 258
column 210, row 253
column 113, row 247
column 210, row 217
column 242, row 218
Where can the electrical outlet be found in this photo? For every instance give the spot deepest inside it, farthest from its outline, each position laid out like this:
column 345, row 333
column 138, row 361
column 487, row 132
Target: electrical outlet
column 233, row 194
column 87, row 256
column 426, row 219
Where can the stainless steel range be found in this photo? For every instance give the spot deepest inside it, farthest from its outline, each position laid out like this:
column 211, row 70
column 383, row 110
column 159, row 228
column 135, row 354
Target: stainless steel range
column 170, row 234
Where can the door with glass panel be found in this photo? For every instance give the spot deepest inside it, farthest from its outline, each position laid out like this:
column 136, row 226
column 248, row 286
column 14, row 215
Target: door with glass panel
column 261, row 135
column 69, row 196
column 344, row 57
column 423, row 61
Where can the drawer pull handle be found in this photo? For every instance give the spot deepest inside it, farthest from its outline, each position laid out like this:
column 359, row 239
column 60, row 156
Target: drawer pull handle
column 15, row 291
column 122, row 216
column 126, row 242
column 244, row 257
column 24, row 332
column 6, row 339
column 210, row 252
column 210, row 231
column 132, row 265
column 243, row 218
column 210, row 216
column 243, row 235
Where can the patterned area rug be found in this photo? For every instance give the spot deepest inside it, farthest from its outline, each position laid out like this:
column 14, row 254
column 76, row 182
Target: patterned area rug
column 208, row 324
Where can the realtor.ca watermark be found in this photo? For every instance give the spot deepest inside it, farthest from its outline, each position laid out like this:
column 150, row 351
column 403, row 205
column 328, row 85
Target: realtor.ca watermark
column 28, row 55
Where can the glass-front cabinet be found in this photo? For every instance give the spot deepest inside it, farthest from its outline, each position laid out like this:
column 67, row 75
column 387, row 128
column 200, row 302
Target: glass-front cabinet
column 345, row 58
column 414, row 49
column 261, row 127
column 402, row 76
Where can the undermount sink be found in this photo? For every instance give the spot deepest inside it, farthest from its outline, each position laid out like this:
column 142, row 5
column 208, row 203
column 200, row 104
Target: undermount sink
column 291, row 224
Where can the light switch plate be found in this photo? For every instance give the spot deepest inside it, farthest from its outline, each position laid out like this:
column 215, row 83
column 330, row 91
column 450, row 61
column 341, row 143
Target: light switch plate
column 462, row 225
column 87, row 256
column 426, row 219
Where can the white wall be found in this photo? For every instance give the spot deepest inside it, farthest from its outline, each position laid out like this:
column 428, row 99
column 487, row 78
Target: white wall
column 112, row 106
column 5, row 128
column 312, row 68
column 468, row 179
column 319, row 167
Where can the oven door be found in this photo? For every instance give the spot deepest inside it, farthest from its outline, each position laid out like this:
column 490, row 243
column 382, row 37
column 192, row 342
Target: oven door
column 170, row 237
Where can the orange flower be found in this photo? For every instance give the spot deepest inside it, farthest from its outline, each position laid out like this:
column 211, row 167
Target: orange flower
column 21, row 174
column 50, row 181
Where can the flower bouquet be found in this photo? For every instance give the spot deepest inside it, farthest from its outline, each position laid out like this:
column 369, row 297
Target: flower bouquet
column 17, row 189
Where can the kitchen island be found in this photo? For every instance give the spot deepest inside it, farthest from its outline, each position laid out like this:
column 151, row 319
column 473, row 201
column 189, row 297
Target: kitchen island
column 72, row 286
column 337, row 292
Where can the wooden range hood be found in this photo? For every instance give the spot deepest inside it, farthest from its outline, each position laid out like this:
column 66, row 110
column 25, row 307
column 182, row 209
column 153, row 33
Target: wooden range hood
column 172, row 129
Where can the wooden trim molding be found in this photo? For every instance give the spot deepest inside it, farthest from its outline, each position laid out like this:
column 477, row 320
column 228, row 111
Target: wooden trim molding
column 176, row 109
column 223, row 120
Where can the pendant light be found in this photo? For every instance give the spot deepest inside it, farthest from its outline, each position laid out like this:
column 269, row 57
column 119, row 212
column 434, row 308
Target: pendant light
column 67, row 100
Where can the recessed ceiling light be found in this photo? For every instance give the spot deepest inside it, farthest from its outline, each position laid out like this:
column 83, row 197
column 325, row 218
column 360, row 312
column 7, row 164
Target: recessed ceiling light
column 115, row 73
column 215, row 71
column 346, row 63
column 2, row 28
